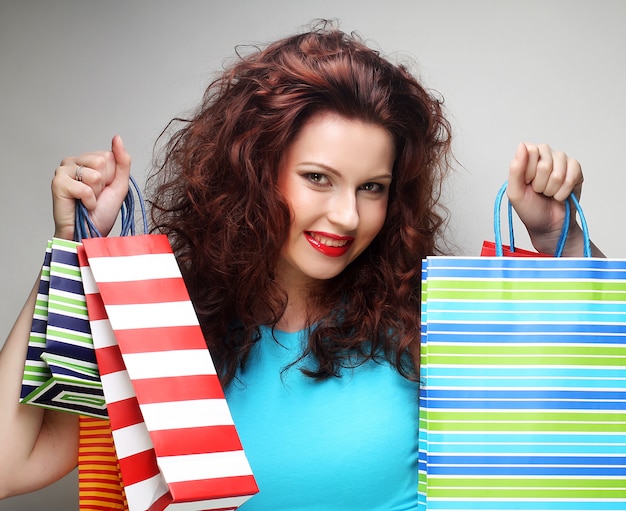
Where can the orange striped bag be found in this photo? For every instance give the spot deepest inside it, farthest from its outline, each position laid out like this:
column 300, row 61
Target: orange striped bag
column 100, row 486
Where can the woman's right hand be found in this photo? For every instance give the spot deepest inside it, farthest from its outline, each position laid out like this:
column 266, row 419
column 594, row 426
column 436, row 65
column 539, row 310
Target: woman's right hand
column 103, row 185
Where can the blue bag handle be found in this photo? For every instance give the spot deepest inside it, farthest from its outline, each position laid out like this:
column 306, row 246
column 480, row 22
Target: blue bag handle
column 85, row 228
column 562, row 239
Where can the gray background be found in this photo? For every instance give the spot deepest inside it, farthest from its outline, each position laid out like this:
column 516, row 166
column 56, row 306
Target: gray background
column 75, row 72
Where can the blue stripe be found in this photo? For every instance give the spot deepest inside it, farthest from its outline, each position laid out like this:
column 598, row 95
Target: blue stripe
column 443, row 264
column 519, row 328
column 536, row 438
column 534, row 471
column 528, row 394
column 71, row 351
column 535, row 449
column 66, row 285
column 490, row 315
column 553, row 273
column 78, row 325
column 508, row 462
column 514, row 381
column 520, row 505
column 61, row 256
column 528, row 372
column 519, row 337
column 523, row 405
column 522, row 306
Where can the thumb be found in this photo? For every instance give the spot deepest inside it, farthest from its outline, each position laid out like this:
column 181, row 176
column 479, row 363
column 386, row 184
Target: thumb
column 122, row 163
column 516, row 187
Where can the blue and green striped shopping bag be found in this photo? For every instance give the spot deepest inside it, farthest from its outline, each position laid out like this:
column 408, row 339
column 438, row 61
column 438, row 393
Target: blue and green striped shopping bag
column 523, row 397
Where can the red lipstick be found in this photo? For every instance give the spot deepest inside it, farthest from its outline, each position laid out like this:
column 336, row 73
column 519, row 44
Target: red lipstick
column 319, row 241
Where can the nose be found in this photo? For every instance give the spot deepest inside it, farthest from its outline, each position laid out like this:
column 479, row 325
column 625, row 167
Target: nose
column 343, row 212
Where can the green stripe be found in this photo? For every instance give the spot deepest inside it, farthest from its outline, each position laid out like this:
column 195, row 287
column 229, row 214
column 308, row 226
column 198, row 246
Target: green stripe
column 571, row 493
column 487, row 360
column 487, row 427
column 79, row 301
column 69, row 335
column 58, row 242
column 520, row 349
column 60, row 308
column 436, row 482
column 527, row 415
column 83, row 399
column 65, row 271
column 595, row 288
column 75, row 365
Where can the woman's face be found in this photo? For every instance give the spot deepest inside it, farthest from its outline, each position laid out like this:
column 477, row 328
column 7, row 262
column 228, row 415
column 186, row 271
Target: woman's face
column 335, row 176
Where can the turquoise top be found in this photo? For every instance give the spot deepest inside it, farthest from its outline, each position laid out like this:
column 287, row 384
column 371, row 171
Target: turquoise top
column 341, row 444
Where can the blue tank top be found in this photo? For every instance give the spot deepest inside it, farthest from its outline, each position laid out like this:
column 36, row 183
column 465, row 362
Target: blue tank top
column 341, row 444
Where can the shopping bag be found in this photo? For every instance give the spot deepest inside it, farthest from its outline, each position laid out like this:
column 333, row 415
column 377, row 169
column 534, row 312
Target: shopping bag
column 100, row 485
column 60, row 370
column 523, row 395
column 174, row 436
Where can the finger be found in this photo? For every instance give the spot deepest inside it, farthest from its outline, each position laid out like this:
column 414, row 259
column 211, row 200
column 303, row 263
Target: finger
column 572, row 181
column 543, row 168
column 122, row 161
column 556, row 175
column 517, row 173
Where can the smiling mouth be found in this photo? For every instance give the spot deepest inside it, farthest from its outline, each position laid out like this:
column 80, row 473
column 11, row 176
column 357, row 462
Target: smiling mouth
column 332, row 246
column 335, row 242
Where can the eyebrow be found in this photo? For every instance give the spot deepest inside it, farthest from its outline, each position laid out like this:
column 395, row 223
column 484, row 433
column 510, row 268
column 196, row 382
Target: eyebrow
column 332, row 170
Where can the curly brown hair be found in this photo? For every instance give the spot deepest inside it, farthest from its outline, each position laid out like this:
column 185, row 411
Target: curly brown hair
column 215, row 194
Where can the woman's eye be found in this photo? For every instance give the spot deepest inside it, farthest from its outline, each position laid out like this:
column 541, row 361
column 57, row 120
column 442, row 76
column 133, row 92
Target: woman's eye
column 373, row 187
column 317, row 178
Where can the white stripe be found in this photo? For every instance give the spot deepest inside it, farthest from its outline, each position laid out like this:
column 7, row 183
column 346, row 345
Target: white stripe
column 102, row 334
column 89, row 284
column 195, row 467
column 131, row 440
column 201, row 505
column 152, row 315
column 162, row 364
column 142, row 495
column 186, row 414
column 117, row 386
column 137, row 267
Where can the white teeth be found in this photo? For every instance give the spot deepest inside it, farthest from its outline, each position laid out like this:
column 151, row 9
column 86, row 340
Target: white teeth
column 330, row 242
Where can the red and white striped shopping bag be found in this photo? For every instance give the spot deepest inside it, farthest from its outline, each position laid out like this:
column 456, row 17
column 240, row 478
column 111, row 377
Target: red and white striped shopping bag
column 173, row 432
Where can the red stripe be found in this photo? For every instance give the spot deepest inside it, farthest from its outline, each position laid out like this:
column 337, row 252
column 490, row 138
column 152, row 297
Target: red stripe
column 144, row 291
column 178, row 442
column 95, row 307
column 124, row 413
column 178, row 388
column 226, row 487
column 109, row 360
column 127, row 245
column 161, row 503
column 141, row 340
column 82, row 257
column 138, row 467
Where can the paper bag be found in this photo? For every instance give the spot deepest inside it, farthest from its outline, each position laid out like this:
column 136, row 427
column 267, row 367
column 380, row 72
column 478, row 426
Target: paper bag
column 173, row 432
column 523, row 396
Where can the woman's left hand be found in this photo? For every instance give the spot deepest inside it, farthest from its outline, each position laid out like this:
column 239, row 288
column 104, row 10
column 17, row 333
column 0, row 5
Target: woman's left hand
column 540, row 180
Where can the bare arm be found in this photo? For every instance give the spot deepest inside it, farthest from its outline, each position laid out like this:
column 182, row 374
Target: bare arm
column 40, row 445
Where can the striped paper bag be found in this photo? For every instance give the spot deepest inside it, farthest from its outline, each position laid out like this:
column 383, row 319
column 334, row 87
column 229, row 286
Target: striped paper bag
column 100, row 485
column 523, row 401
column 175, row 438
column 61, row 371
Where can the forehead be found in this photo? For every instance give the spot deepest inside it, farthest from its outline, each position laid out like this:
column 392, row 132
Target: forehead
column 340, row 142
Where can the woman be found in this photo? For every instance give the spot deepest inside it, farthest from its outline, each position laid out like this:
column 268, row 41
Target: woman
column 299, row 199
